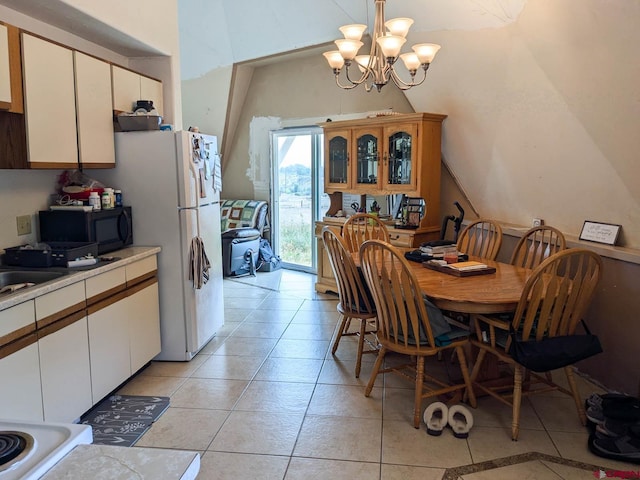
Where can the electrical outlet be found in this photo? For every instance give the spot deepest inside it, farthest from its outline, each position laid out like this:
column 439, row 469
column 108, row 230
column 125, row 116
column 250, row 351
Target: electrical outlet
column 537, row 222
column 24, row 224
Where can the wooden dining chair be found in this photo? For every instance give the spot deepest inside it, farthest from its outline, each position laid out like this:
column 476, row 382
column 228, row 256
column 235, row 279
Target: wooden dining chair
column 536, row 245
column 482, row 238
column 355, row 299
column 361, row 227
column 553, row 302
column 404, row 326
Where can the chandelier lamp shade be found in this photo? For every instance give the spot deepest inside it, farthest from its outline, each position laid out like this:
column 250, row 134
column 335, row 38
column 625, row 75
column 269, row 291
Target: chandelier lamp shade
column 378, row 68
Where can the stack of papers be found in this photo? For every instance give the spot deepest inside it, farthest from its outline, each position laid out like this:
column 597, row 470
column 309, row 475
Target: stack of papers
column 467, row 266
column 436, row 250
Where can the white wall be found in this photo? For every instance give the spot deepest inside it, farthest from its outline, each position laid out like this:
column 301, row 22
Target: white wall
column 543, row 114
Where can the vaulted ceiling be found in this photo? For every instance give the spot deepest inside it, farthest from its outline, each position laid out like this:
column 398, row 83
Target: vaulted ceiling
column 224, row 32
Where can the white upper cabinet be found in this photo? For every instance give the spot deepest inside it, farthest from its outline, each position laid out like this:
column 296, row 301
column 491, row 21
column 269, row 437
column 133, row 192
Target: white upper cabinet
column 126, row 89
column 151, row 89
column 50, row 105
column 129, row 87
column 94, row 112
column 5, row 76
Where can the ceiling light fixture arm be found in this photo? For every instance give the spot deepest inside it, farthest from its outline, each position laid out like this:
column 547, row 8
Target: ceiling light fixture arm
column 406, row 86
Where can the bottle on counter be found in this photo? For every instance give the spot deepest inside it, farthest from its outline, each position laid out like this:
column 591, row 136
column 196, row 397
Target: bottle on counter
column 112, row 197
column 118, row 198
column 94, row 200
column 106, row 200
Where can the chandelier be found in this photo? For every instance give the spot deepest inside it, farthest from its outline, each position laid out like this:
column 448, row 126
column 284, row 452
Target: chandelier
column 378, row 67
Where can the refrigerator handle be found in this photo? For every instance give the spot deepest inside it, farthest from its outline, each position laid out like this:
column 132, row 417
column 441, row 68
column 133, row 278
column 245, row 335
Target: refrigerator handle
column 196, row 180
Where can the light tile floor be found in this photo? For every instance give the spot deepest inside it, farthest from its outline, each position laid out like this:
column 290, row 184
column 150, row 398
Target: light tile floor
column 265, row 399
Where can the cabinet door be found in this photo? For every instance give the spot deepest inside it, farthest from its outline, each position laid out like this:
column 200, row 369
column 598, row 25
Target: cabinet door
column 144, row 323
column 50, row 105
column 108, row 345
column 64, row 369
column 5, row 77
column 94, row 112
column 129, row 87
column 366, row 159
column 336, row 168
column 126, row 88
column 400, row 158
column 151, row 89
column 21, row 397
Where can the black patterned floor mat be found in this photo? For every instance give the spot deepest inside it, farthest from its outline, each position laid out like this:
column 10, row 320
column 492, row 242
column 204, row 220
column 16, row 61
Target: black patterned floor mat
column 122, row 419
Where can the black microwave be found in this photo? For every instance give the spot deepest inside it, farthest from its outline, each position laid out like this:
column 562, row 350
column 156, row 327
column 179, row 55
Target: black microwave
column 110, row 229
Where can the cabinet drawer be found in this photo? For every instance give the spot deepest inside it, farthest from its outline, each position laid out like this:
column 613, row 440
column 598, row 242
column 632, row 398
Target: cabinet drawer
column 17, row 321
column 105, row 285
column 60, row 303
column 141, row 270
column 401, row 239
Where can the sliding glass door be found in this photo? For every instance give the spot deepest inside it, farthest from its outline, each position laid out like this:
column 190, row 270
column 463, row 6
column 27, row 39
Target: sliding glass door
column 297, row 195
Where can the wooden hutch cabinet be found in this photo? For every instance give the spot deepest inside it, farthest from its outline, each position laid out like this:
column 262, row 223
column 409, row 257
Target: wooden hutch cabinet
column 386, row 155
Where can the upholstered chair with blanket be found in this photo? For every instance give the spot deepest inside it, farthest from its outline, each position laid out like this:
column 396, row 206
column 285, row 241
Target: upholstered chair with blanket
column 243, row 223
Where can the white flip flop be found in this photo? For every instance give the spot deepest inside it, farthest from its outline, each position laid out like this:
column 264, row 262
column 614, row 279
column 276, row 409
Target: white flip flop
column 436, row 417
column 460, row 420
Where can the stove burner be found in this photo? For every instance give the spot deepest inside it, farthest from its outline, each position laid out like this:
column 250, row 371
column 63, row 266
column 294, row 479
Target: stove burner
column 14, row 446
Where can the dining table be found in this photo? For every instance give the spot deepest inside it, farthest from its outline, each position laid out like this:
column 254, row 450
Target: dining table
column 495, row 292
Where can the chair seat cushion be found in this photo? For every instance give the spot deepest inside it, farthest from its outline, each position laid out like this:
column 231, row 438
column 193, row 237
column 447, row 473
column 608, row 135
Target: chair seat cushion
column 443, row 332
column 242, row 233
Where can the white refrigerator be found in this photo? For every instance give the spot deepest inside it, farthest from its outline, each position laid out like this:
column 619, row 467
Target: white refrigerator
column 172, row 182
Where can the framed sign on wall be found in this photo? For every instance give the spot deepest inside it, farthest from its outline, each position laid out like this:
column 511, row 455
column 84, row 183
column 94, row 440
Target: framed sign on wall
column 599, row 232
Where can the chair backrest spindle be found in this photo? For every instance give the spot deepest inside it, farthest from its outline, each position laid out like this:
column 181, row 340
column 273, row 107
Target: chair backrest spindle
column 352, row 290
column 402, row 314
column 536, row 245
column 557, row 294
column 481, row 238
column 361, row 227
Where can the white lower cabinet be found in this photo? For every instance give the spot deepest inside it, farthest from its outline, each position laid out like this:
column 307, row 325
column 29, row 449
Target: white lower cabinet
column 60, row 356
column 64, row 370
column 124, row 328
column 21, row 397
column 108, row 345
column 20, row 391
column 144, row 326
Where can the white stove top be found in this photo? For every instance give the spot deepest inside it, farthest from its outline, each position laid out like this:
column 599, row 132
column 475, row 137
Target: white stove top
column 52, row 442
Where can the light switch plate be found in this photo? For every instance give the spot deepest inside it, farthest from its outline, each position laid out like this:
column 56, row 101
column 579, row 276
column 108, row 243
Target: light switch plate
column 24, row 224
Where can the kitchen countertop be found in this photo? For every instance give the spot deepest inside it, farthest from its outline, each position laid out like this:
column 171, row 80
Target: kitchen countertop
column 106, row 462
column 124, row 256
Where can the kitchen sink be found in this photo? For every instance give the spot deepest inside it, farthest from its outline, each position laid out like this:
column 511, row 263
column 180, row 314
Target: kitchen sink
column 17, row 277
